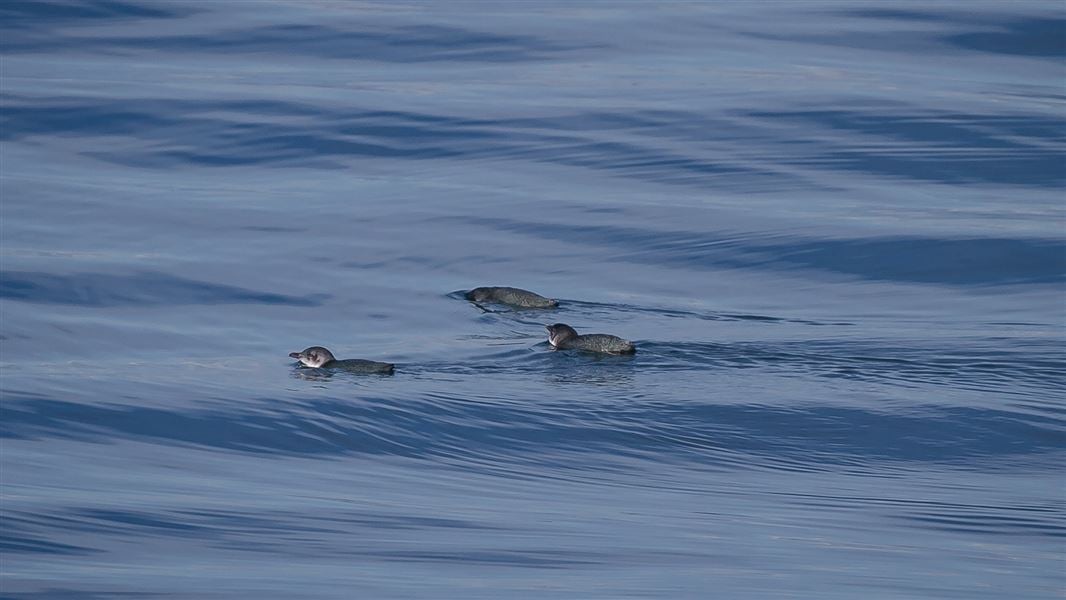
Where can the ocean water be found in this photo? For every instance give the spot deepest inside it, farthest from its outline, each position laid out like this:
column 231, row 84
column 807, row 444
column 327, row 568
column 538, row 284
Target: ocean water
column 835, row 231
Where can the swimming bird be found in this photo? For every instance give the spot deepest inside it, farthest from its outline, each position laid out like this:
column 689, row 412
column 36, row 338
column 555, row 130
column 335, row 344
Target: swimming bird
column 516, row 297
column 318, row 357
column 564, row 337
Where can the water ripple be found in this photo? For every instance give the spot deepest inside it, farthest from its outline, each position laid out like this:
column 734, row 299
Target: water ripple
column 1021, row 149
column 445, row 429
column 1043, row 37
column 39, row 13
column 360, row 41
column 140, row 289
column 962, row 262
column 877, row 139
column 1045, row 520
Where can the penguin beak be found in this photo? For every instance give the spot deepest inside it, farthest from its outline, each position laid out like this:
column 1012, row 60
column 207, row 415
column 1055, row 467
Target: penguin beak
column 295, row 355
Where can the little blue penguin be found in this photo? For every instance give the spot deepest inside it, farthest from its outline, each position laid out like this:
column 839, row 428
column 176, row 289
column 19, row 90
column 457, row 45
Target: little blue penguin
column 318, row 357
column 510, row 296
column 564, row 337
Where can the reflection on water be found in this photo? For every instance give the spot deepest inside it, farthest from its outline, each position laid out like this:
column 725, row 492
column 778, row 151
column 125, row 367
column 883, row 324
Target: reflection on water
column 575, row 367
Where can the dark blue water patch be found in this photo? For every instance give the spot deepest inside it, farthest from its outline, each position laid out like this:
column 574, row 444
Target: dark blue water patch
column 946, row 261
column 1000, row 34
column 177, row 133
column 50, row 25
column 354, row 41
column 801, row 438
column 984, row 261
column 948, row 148
column 20, row 14
column 21, row 119
column 25, row 116
column 1026, row 37
column 220, row 142
column 180, row 137
column 902, row 14
column 137, row 289
column 13, row 541
column 567, row 139
column 914, row 32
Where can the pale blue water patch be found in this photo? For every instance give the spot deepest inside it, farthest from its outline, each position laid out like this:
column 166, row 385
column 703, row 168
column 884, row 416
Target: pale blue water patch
column 834, row 231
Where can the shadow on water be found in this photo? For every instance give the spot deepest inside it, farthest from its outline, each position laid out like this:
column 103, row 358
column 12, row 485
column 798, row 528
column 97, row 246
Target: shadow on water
column 140, row 289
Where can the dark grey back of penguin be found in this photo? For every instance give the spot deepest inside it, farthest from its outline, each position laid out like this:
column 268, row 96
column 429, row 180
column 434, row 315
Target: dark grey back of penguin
column 602, row 342
column 511, row 296
column 565, row 337
column 357, row 365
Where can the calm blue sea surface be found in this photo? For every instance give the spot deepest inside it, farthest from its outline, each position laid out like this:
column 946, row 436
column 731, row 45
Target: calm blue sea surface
column 834, row 229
